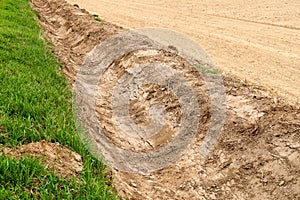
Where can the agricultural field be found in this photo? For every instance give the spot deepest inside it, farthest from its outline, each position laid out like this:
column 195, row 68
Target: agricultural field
column 257, row 41
column 50, row 50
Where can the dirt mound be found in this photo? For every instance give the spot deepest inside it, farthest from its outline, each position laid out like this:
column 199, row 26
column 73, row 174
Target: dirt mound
column 64, row 161
column 73, row 32
column 145, row 97
column 256, row 157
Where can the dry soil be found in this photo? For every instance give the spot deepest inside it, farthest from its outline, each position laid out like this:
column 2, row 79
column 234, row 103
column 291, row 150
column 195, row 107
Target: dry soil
column 257, row 41
column 258, row 153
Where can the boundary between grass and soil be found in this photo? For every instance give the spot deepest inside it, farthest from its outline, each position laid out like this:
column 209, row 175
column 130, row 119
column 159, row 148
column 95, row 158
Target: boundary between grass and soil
column 36, row 105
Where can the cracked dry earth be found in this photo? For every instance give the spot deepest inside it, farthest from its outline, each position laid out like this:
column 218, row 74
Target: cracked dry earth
column 257, row 155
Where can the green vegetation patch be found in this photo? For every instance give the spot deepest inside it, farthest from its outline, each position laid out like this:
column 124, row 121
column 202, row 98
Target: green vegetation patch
column 206, row 70
column 36, row 104
column 97, row 18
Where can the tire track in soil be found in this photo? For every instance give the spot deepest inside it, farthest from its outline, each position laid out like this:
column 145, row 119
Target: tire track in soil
column 258, row 153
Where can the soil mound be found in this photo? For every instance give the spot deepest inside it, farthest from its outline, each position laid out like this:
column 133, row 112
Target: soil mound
column 257, row 155
column 64, row 161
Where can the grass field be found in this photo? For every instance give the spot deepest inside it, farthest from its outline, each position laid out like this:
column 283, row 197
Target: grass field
column 35, row 104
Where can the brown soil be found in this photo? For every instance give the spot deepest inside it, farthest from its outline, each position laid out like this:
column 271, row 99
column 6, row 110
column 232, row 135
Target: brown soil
column 255, row 40
column 145, row 97
column 64, row 161
column 256, row 157
column 74, row 27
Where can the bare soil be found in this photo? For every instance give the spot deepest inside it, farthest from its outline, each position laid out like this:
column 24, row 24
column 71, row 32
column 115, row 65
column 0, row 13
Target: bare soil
column 64, row 161
column 258, row 153
column 145, row 97
column 257, row 41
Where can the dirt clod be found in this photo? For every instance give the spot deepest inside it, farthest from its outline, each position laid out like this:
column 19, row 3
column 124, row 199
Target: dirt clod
column 64, row 161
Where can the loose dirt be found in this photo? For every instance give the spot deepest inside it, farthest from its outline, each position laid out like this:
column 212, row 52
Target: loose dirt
column 146, row 97
column 64, row 161
column 254, row 40
column 258, row 153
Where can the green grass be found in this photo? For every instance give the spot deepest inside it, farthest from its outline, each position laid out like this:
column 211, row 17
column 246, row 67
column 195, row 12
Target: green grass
column 36, row 104
column 206, row 70
column 97, row 18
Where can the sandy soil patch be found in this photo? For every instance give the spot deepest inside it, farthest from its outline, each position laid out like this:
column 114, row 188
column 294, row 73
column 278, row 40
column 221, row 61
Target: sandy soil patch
column 258, row 153
column 254, row 40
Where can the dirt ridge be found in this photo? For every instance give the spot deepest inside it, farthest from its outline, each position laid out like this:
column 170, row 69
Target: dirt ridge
column 258, row 153
column 254, row 40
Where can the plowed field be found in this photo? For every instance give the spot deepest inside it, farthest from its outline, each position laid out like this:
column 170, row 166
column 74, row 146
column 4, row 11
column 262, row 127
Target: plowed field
column 258, row 41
